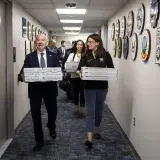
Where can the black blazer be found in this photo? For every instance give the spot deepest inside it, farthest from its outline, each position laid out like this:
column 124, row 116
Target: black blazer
column 31, row 61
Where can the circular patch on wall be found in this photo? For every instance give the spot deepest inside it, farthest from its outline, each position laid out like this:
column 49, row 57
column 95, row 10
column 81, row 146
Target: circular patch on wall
column 113, row 31
column 117, row 29
column 134, row 46
column 123, row 27
column 119, row 47
column 130, row 23
column 125, row 47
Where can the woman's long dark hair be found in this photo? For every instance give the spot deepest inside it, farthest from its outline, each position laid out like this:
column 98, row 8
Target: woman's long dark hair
column 100, row 52
column 74, row 48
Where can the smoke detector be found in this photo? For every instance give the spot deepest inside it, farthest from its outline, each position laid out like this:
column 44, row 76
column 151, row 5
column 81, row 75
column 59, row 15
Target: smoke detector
column 70, row 5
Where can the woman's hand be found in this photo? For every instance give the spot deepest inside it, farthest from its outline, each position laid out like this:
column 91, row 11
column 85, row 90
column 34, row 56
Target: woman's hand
column 79, row 74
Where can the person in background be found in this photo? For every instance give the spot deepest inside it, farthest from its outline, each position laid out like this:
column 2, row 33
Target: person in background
column 77, row 52
column 95, row 91
column 52, row 46
column 42, row 58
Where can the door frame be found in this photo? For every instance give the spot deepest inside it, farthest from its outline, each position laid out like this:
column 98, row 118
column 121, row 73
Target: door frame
column 9, row 70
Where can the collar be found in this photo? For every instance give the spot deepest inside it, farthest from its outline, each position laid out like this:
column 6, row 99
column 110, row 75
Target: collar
column 38, row 52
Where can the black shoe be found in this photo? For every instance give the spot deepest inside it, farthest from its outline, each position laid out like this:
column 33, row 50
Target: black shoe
column 97, row 136
column 38, row 147
column 88, row 144
column 53, row 134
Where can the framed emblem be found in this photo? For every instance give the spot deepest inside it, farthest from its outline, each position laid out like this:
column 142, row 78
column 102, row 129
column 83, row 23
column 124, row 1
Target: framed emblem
column 157, row 57
column 114, row 47
column 119, row 47
column 134, row 46
column 154, row 13
column 123, row 27
column 113, row 31
column 140, row 18
column 125, row 47
column 29, row 30
column 24, row 27
column 146, row 45
column 130, row 23
column 33, row 32
column 36, row 31
column 117, row 29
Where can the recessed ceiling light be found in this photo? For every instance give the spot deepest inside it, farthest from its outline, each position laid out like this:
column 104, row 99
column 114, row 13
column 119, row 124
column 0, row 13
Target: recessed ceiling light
column 72, row 28
column 71, row 11
column 72, row 33
column 71, row 21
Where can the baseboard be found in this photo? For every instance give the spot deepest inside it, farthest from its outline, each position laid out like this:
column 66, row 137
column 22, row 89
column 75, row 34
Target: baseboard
column 124, row 135
column 20, row 124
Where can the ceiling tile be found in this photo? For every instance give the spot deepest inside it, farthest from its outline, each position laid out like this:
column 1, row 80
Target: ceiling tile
column 34, row 1
column 37, row 6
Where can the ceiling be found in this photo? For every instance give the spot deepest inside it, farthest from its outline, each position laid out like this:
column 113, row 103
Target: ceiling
column 98, row 12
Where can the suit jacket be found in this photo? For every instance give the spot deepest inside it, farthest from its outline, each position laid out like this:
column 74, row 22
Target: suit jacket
column 31, row 61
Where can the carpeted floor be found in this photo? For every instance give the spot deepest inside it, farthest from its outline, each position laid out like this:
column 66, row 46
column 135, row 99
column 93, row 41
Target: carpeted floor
column 71, row 135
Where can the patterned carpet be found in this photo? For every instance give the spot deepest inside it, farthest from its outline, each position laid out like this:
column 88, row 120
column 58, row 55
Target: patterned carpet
column 69, row 144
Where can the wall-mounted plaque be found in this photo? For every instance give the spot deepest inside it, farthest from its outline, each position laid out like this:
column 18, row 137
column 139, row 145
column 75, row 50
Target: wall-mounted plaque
column 24, row 27
column 154, row 13
column 130, row 23
column 29, row 31
column 134, row 46
column 119, row 47
column 113, row 31
column 114, row 47
column 123, row 27
column 33, row 32
column 140, row 18
column 157, row 57
column 146, row 45
column 117, row 29
column 125, row 47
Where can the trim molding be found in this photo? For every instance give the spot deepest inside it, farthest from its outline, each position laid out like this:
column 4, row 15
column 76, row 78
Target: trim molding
column 21, row 123
column 124, row 135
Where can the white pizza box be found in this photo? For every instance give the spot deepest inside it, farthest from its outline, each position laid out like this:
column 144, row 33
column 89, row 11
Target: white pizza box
column 71, row 66
column 42, row 74
column 99, row 78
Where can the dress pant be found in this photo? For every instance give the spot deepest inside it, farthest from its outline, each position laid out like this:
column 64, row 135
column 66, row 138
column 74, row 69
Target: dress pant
column 47, row 92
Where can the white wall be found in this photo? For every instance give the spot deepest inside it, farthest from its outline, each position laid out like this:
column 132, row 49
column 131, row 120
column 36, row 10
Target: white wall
column 70, row 39
column 21, row 102
column 136, row 93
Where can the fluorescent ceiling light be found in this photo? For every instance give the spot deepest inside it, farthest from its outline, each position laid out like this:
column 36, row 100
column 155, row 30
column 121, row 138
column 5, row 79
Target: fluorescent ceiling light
column 72, row 28
column 72, row 33
column 71, row 21
column 71, row 11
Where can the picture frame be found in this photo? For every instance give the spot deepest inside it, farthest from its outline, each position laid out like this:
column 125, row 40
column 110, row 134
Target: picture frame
column 140, row 18
column 125, row 47
column 130, row 23
column 29, row 26
column 146, row 45
column 113, row 32
column 123, row 26
column 119, row 47
column 117, row 28
column 157, row 55
column 154, row 13
column 24, row 27
column 134, row 46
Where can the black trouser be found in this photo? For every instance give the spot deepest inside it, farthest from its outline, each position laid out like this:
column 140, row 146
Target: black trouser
column 78, row 92
column 50, row 101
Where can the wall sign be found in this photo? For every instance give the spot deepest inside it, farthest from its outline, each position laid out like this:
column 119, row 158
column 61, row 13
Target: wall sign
column 140, row 18
column 119, row 47
column 157, row 57
column 114, row 47
column 125, row 47
column 29, row 31
column 113, row 31
column 123, row 27
column 134, row 46
column 130, row 23
column 146, row 45
column 117, row 29
column 24, row 27
column 154, row 13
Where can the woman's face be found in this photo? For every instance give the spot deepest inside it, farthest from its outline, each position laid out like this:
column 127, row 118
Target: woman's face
column 79, row 46
column 92, row 44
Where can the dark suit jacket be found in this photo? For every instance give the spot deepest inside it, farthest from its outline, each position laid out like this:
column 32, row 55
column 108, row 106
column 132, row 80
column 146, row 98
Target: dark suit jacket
column 31, row 61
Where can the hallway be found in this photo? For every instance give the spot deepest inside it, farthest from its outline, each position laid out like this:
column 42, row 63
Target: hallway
column 69, row 144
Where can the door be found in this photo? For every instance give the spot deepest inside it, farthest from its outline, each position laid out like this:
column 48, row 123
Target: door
column 3, row 106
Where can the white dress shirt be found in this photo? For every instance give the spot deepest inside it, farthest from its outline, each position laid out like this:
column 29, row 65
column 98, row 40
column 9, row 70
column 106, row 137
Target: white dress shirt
column 63, row 51
column 44, row 56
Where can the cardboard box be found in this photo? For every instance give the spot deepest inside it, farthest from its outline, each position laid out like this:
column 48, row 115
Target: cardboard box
column 71, row 66
column 42, row 74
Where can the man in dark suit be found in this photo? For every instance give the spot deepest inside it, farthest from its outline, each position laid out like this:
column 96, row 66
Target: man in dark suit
column 46, row 90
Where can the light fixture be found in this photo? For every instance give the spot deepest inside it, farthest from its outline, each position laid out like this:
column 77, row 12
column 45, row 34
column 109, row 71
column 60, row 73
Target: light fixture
column 72, row 28
column 72, row 33
column 71, row 11
column 71, row 21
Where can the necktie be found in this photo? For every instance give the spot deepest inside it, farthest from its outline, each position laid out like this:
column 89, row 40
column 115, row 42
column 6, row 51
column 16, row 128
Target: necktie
column 42, row 61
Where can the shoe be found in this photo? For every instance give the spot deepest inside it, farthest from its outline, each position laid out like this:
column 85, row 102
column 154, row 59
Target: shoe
column 53, row 134
column 38, row 147
column 97, row 136
column 88, row 144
